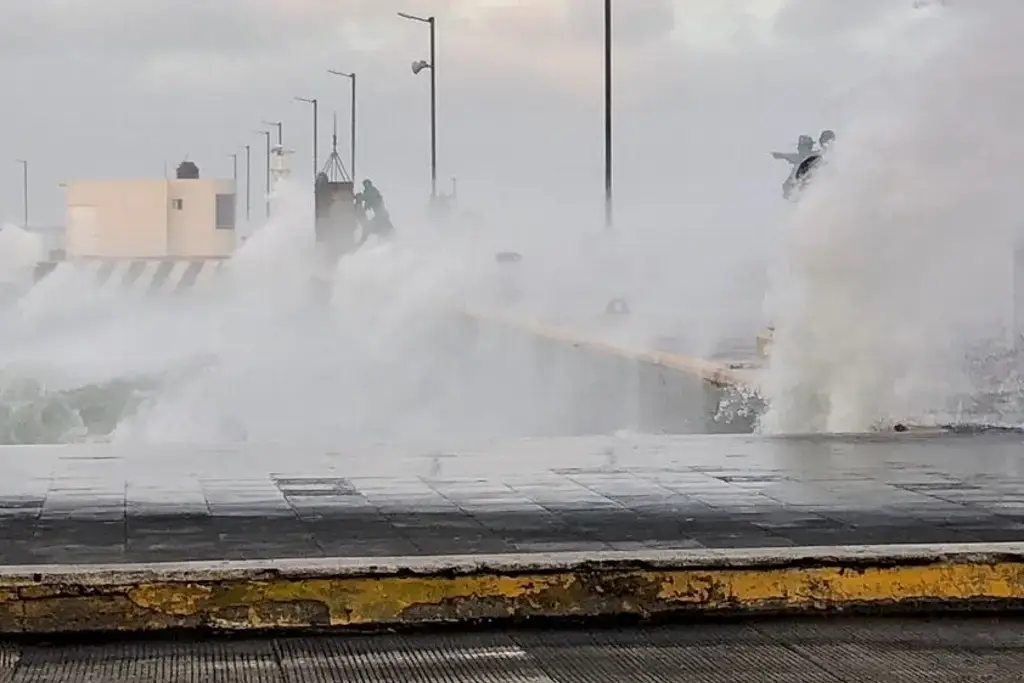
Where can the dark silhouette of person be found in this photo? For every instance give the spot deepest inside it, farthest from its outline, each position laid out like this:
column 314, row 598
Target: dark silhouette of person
column 371, row 201
column 826, row 139
column 804, row 149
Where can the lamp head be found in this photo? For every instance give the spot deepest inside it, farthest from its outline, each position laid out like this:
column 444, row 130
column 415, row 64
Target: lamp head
column 420, row 66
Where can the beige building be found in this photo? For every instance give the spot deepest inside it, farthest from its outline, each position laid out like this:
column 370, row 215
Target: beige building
column 186, row 218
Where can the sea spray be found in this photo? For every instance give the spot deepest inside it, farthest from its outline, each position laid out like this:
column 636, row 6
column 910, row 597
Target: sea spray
column 898, row 268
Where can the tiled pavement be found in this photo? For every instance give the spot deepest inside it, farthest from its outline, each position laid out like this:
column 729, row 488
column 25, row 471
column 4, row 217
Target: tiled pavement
column 107, row 503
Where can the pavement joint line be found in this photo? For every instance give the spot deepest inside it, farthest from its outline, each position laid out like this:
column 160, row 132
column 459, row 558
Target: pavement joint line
column 389, row 593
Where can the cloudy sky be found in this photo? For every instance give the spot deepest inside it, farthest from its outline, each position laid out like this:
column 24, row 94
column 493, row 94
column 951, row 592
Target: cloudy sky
column 123, row 88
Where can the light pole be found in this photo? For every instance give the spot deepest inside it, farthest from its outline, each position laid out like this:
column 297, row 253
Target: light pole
column 416, row 68
column 24, row 189
column 248, row 185
column 280, row 133
column 352, row 134
column 316, row 127
column 266, row 134
column 234, row 178
column 608, row 214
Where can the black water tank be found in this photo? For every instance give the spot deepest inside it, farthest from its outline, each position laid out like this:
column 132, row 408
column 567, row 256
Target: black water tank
column 187, row 171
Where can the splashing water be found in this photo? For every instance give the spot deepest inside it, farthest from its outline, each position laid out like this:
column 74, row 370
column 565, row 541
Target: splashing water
column 896, row 301
column 266, row 357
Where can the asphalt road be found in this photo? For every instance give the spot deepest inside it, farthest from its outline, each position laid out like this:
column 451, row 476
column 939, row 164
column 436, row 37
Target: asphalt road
column 817, row 651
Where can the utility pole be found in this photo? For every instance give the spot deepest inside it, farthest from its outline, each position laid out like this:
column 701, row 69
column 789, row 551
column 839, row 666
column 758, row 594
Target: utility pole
column 234, row 179
column 24, row 191
column 248, row 185
column 316, row 126
column 280, row 130
column 266, row 135
column 432, row 65
column 608, row 212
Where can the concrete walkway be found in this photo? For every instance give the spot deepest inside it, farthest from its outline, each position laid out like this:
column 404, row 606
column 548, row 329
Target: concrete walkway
column 107, row 504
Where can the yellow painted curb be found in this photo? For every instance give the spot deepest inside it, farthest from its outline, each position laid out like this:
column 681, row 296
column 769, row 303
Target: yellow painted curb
column 397, row 592
column 709, row 371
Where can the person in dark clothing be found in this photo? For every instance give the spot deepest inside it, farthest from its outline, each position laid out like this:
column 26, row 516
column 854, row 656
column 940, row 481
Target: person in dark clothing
column 372, row 214
column 371, row 197
column 804, row 149
column 804, row 160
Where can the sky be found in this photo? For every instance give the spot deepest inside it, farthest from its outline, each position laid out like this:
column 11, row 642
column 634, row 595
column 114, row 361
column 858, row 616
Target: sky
column 703, row 90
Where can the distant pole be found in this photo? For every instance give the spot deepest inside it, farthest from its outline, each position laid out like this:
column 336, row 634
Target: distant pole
column 24, row 190
column 248, row 184
column 234, row 176
column 432, row 65
column 433, row 110
column 352, row 134
column 280, row 130
column 608, row 214
column 316, row 127
column 266, row 135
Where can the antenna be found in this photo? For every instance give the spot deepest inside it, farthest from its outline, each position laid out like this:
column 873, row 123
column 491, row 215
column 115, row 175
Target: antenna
column 334, row 169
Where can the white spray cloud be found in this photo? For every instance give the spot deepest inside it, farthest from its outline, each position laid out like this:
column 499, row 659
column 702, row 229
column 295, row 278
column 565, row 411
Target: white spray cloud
column 899, row 257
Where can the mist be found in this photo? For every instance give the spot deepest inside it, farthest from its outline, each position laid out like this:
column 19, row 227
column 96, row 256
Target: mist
column 895, row 298
column 699, row 222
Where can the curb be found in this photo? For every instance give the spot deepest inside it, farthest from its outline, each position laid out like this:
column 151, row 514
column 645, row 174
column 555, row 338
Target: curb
column 425, row 591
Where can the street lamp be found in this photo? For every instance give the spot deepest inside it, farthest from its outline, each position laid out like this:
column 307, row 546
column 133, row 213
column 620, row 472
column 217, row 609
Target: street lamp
column 248, row 185
column 266, row 134
column 416, row 68
column 608, row 215
column 279, row 125
column 316, row 126
column 234, row 176
column 24, row 188
column 352, row 142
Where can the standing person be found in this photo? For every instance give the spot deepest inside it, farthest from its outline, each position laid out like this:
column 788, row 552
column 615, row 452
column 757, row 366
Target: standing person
column 804, row 149
column 826, row 139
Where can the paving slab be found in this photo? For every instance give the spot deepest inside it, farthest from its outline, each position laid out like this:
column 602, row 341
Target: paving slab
column 115, row 504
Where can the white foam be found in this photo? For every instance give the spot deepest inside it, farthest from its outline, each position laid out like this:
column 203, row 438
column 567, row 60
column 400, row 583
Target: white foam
column 899, row 257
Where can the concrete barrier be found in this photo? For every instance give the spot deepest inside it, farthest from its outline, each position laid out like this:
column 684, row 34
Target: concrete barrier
column 603, row 383
column 718, row 374
column 151, row 276
column 419, row 592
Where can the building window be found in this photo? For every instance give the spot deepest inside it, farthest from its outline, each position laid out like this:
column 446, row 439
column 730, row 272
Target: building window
column 178, row 204
column 226, row 212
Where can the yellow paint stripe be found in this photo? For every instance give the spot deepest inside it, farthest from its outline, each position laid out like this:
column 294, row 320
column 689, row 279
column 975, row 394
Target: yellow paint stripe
column 266, row 599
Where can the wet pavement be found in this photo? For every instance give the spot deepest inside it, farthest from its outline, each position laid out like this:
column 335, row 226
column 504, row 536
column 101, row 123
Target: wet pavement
column 799, row 651
column 107, row 503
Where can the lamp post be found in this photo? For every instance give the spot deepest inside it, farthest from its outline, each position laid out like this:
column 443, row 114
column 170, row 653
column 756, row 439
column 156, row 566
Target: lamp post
column 316, row 127
column 608, row 213
column 234, row 176
column 248, row 185
column 266, row 134
column 432, row 65
column 280, row 132
column 24, row 190
column 352, row 132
